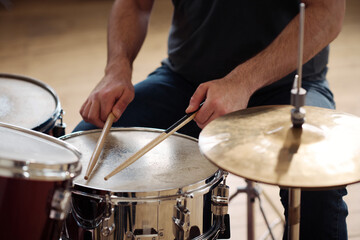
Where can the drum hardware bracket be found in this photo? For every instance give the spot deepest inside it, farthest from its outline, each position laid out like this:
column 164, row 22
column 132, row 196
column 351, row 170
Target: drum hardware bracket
column 59, row 128
column 181, row 220
column 219, row 206
column 220, row 200
column 139, row 234
column 298, row 101
column 107, row 228
column 109, row 206
column 105, row 217
column 59, row 204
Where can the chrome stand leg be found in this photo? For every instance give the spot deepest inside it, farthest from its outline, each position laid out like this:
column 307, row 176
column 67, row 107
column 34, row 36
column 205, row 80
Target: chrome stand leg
column 265, row 219
column 253, row 193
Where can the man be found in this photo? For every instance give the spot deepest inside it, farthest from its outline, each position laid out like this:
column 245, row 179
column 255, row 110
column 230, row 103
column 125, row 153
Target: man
column 231, row 55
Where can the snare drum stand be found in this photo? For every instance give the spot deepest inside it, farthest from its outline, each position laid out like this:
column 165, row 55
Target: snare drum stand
column 253, row 192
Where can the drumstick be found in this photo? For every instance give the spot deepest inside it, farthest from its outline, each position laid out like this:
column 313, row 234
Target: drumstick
column 99, row 145
column 176, row 126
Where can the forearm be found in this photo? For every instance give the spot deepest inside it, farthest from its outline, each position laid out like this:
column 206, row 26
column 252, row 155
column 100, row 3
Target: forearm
column 126, row 32
column 323, row 20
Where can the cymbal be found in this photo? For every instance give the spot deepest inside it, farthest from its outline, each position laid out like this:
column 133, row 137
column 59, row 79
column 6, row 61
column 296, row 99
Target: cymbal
column 261, row 145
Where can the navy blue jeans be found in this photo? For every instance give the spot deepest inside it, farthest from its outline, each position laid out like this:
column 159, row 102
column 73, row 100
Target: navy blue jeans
column 162, row 98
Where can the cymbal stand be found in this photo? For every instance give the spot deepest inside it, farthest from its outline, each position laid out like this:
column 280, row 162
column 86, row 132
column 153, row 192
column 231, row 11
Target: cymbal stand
column 252, row 193
column 294, row 213
column 298, row 119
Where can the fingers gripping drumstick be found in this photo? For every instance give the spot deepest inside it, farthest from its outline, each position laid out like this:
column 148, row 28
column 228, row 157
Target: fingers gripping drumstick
column 176, row 126
column 99, row 145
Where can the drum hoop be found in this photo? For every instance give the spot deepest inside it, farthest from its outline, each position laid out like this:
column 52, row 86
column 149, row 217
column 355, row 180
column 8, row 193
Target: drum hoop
column 186, row 192
column 116, row 197
column 19, row 168
column 49, row 123
column 191, row 190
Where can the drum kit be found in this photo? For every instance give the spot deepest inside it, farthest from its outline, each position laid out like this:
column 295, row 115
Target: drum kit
column 178, row 189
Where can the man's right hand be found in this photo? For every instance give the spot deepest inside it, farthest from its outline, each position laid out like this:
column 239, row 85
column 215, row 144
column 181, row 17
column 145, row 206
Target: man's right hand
column 112, row 94
column 127, row 30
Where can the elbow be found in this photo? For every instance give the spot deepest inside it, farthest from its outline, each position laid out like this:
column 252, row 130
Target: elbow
column 328, row 16
column 336, row 26
column 335, row 18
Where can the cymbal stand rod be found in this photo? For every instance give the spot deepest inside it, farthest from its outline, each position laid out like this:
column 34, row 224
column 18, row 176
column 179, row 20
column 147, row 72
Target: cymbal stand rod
column 251, row 194
column 294, row 213
column 298, row 93
column 251, row 211
column 301, row 44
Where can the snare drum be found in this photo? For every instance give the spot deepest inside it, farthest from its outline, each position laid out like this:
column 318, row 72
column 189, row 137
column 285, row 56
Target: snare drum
column 166, row 194
column 36, row 172
column 28, row 103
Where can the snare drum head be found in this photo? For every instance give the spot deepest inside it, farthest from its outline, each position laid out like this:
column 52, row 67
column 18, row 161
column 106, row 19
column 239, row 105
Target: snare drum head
column 174, row 163
column 25, row 102
column 29, row 154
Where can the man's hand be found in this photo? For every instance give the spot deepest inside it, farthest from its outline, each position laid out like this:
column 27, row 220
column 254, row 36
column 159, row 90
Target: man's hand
column 110, row 95
column 127, row 30
column 220, row 97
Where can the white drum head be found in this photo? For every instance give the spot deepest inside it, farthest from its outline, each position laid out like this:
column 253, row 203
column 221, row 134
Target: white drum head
column 25, row 102
column 29, row 154
column 174, row 163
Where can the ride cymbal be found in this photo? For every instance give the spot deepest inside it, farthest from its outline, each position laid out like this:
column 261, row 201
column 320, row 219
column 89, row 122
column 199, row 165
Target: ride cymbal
column 260, row 144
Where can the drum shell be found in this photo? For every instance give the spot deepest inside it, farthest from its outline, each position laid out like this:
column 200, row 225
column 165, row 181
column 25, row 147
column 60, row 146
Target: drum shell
column 25, row 207
column 131, row 213
column 101, row 210
column 36, row 173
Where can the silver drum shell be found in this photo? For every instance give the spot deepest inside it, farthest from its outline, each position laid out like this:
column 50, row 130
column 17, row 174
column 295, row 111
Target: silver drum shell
column 101, row 213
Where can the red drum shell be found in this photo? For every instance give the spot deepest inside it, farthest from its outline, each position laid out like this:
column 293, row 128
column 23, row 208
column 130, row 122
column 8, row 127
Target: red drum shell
column 25, row 208
column 36, row 172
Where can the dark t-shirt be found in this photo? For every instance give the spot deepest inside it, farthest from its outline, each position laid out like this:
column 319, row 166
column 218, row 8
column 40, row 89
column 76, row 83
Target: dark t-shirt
column 209, row 38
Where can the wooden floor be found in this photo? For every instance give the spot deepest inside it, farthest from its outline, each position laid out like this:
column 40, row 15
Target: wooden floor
column 63, row 43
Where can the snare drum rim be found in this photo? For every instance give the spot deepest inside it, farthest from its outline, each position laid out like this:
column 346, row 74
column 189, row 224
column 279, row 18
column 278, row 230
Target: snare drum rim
column 191, row 190
column 49, row 123
column 20, row 168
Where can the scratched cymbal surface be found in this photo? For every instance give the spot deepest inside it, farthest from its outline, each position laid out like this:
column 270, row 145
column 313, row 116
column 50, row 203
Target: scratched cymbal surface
column 260, row 144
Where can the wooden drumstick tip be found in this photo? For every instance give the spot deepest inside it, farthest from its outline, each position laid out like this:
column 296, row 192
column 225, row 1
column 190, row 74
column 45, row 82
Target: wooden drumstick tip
column 99, row 145
column 106, row 178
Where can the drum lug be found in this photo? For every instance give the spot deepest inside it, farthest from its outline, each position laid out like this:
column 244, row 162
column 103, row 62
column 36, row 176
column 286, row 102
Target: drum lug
column 107, row 228
column 60, row 204
column 220, row 200
column 139, row 234
column 181, row 220
column 219, row 207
